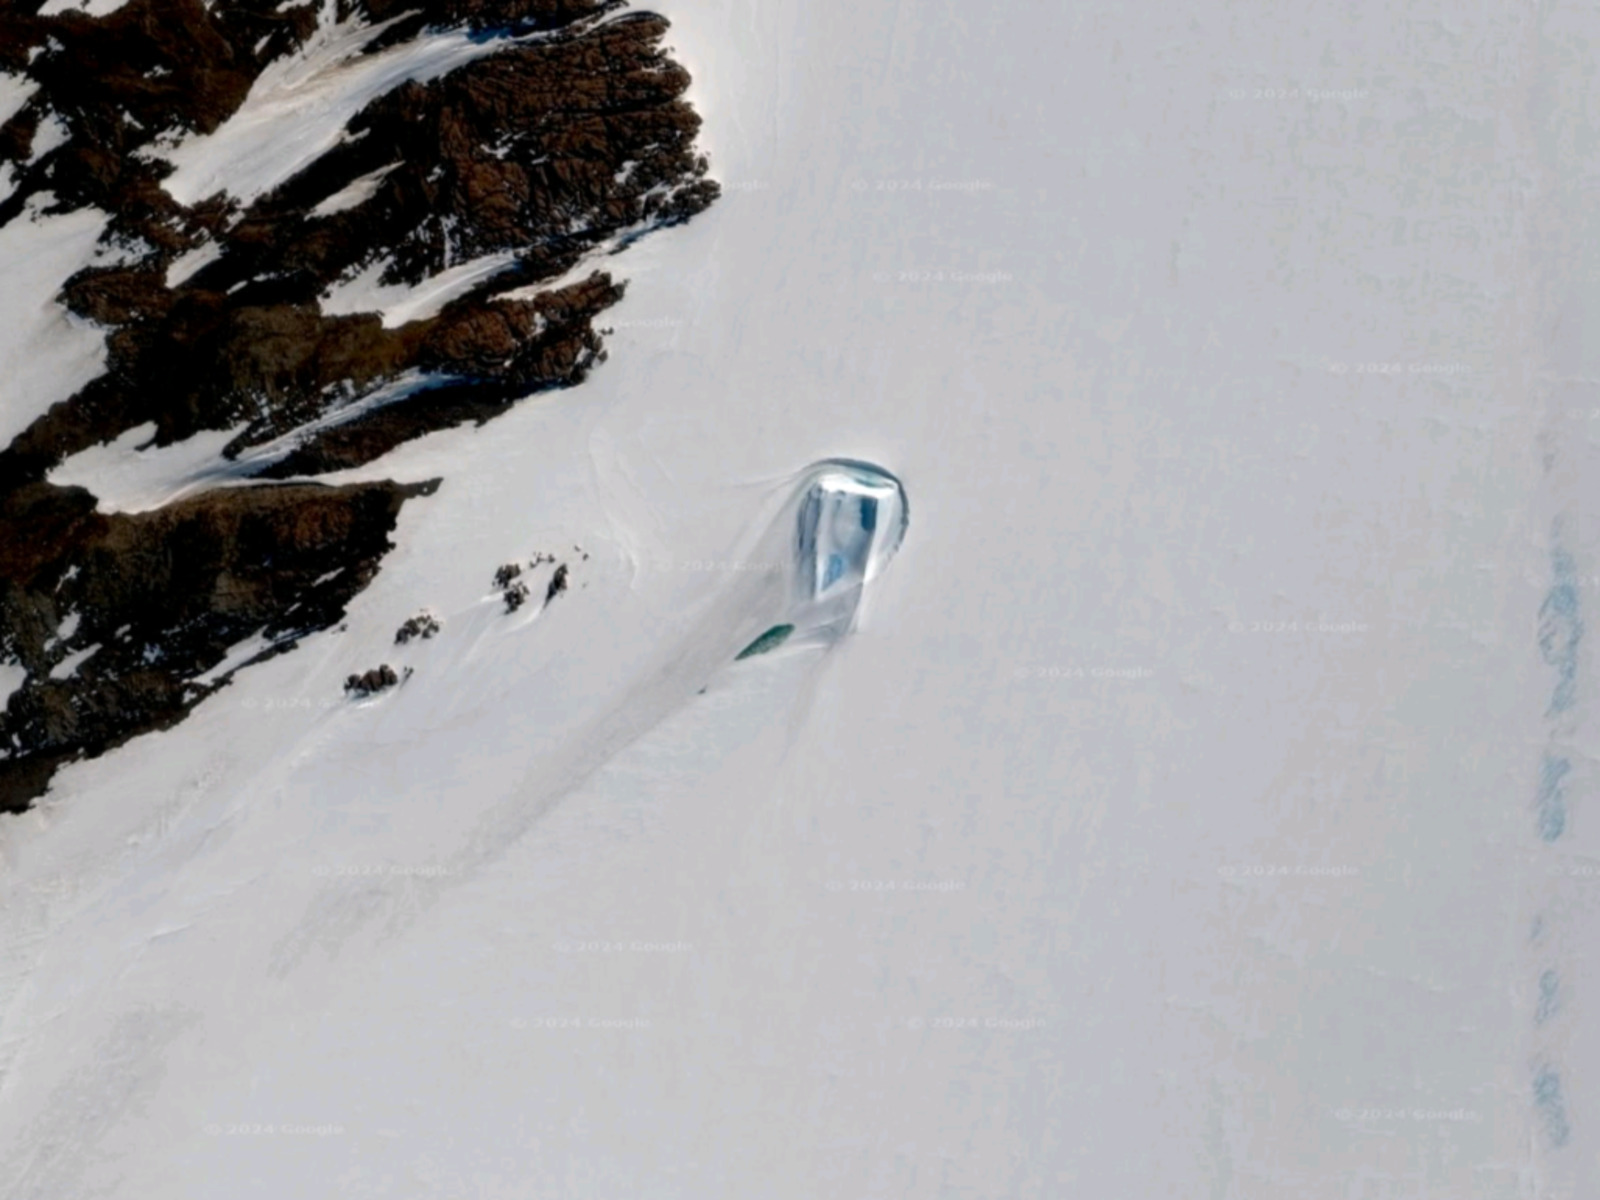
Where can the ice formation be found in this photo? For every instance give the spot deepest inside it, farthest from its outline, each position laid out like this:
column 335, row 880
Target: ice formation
column 848, row 519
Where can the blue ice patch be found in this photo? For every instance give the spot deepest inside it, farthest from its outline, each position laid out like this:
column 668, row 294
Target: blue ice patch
column 1547, row 1099
column 835, row 569
column 1561, row 629
column 1550, row 804
column 1549, row 997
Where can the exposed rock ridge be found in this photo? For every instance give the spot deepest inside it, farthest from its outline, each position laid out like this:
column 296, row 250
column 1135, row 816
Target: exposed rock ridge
column 559, row 133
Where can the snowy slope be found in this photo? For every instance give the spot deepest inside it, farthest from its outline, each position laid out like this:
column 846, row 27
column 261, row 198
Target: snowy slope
column 1170, row 826
column 46, row 353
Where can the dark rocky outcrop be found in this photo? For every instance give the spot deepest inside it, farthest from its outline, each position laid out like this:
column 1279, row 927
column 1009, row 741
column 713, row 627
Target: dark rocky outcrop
column 165, row 596
column 543, row 149
column 546, row 150
column 515, row 596
column 420, row 627
column 512, row 589
column 558, row 584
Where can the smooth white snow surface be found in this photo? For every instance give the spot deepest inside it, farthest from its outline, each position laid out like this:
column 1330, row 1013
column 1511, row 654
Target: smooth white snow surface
column 1189, row 816
column 52, row 132
column 92, row 8
column 184, row 267
column 69, row 626
column 125, row 477
column 399, row 302
column 12, row 676
column 46, row 354
column 354, row 194
column 15, row 91
column 240, row 654
column 69, row 665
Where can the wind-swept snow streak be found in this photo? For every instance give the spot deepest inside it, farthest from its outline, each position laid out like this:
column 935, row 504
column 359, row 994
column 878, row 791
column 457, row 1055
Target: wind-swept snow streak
column 842, row 523
column 299, row 107
column 837, row 526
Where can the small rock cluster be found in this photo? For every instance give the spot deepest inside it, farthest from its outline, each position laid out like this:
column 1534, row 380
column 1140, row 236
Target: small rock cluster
column 514, row 589
column 424, row 625
column 370, row 683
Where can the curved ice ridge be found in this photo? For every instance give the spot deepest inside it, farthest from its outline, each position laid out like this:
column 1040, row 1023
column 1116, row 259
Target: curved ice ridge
column 848, row 518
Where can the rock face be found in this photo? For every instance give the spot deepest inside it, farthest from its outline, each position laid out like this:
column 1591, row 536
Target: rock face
column 558, row 131
column 163, row 595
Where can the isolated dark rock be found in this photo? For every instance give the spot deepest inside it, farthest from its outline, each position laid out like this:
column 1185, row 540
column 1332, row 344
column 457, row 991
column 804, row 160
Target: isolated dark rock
column 558, row 584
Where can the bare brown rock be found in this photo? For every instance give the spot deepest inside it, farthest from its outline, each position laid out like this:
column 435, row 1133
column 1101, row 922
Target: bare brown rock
column 546, row 150
column 165, row 596
column 549, row 150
